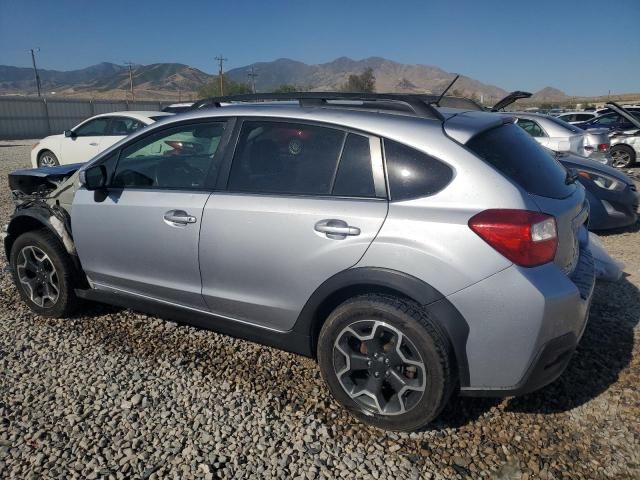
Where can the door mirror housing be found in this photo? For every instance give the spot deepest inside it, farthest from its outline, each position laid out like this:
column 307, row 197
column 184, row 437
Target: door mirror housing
column 94, row 178
column 70, row 134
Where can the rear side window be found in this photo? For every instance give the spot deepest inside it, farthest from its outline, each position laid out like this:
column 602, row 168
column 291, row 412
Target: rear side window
column 413, row 174
column 355, row 176
column 287, row 158
column 514, row 153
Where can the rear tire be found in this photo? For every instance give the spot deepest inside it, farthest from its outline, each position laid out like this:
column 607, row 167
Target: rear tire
column 623, row 156
column 47, row 159
column 400, row 369
column 43, row 273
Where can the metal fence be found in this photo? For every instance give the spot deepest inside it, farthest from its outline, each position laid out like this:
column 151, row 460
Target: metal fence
column 37, row 117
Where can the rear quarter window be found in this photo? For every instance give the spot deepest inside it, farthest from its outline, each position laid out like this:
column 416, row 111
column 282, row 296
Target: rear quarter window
column 511, row 151
column 412, row 173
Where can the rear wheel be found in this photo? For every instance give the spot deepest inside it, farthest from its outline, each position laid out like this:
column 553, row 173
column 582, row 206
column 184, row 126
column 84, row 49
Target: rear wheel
column 623, row 156
column 43, row 273
column 386, row 361
column 47, row 159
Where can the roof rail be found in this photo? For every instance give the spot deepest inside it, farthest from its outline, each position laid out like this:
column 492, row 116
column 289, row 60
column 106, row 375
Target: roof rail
column 416, row 103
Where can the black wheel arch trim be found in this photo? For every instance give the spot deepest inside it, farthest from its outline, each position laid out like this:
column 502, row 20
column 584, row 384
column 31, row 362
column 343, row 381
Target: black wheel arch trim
column 32, row 218
column 361, row 280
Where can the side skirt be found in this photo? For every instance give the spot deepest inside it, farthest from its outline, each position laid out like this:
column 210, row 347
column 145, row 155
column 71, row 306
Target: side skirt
column 290, row 341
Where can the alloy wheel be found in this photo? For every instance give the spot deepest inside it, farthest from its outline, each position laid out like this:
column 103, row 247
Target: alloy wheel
column 379, row 367
column 38, row 276
column 47, row 160
column 621, row 159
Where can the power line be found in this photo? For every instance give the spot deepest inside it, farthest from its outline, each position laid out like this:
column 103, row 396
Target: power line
column 221, row 59
column 133, row 98
column 35, row 69
column 252, row 75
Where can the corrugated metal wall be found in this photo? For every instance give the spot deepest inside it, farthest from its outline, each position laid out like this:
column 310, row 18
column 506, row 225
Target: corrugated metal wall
column 35, row 117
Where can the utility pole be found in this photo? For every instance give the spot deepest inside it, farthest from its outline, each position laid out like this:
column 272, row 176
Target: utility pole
column 35, row 69
column 133, row 98
column 221, row 59
column 252, row 75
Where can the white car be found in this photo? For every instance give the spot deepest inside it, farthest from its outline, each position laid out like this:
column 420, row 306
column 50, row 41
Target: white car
column 560, row 136
column 577, row 117
column 86, row 140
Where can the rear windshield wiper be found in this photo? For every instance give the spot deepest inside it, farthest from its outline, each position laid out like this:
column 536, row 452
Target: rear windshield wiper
column 572, row 176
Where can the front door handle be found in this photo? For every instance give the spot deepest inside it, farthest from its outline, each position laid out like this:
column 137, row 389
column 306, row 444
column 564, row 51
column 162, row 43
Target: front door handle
column 93, row 144
column 178, row 217
column 336, row 229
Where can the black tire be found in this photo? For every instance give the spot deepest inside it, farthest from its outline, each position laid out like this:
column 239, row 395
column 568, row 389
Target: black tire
column 65, row 273
column 425, row 336
column 47, row 159
column 624, row 156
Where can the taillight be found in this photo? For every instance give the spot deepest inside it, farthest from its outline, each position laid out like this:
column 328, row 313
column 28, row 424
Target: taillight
column 603, row 147
column 526, row 238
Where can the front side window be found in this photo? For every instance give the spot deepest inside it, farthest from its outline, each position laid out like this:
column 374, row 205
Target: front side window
column 531, row 127
column 123, row 126
column 285, row 158
column 93, row 128
column 176, row 158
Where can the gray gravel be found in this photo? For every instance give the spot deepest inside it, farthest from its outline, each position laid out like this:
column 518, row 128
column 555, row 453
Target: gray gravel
column 116, row 394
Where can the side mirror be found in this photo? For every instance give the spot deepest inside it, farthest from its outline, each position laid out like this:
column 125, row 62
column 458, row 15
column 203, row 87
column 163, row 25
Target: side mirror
column 70, row 134
column 94, row 178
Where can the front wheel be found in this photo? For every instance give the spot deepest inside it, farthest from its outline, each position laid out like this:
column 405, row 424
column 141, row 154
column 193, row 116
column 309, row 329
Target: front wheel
column 386, row 362
column 43, row 273
column 48, row 159
column 623, row 156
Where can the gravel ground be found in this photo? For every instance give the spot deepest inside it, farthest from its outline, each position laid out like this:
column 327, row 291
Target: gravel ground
column 117, row 394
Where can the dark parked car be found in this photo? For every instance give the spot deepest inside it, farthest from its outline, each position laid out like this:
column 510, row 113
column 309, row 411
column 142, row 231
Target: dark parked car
column 611, row 194
column 612, row 120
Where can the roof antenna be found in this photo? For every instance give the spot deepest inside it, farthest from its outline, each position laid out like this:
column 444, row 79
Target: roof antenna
column 437, row 102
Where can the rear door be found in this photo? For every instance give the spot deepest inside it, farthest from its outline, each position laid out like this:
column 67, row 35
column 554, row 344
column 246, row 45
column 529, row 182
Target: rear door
column 140, row 235
column 119, row 128
column 302, row 203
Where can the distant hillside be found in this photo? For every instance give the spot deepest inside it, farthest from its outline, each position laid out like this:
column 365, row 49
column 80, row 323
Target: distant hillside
column 390, row 76
column 106, row 79
column 549, row 94
column 179, row 81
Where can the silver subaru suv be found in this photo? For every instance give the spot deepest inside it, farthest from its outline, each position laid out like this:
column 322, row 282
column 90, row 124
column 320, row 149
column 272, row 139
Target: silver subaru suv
column 415, row 250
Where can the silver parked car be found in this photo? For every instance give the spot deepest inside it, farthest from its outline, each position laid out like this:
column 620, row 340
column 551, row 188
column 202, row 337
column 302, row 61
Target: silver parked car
column 415, row 251
column 558, row 135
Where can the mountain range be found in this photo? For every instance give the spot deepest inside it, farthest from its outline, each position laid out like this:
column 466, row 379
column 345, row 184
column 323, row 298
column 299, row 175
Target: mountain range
column 173, row 80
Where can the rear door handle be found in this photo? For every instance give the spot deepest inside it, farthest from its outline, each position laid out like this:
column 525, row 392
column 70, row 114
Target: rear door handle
column 93, row 144
column 178, row 217
column 336, row 229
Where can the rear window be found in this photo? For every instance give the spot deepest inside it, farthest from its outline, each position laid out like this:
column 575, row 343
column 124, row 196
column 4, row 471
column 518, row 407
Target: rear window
column 563, row 124
column 514, row 153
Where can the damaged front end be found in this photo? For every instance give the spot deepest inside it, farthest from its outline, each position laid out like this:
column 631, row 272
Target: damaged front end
column 43, row 199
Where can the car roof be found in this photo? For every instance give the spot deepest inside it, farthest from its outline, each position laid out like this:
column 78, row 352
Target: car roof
column 138, row 115
column 395, row 125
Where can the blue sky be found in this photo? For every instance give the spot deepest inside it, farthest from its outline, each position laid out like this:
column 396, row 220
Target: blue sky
column 584, row 47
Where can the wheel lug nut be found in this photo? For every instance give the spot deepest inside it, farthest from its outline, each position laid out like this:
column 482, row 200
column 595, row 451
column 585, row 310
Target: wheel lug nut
column 386, row 374
column 369, row 363
column 376, row 374
column 386, row 361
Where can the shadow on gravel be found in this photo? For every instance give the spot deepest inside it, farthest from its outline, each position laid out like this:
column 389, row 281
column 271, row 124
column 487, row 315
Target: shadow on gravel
column 615, row 231
column 605, row 350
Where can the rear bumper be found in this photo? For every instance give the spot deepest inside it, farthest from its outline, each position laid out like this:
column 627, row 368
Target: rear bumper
column 526, row 340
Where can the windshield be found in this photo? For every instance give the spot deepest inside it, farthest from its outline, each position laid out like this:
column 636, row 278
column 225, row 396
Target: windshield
column 513, row 152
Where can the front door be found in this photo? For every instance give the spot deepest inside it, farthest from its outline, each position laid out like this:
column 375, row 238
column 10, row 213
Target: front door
column 303, row 203
column 85, row 142
column 141, row 234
